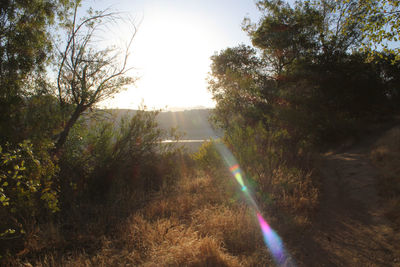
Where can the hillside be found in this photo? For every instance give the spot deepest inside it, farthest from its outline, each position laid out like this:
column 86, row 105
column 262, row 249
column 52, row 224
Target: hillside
column 194, row 124
column 194, row 220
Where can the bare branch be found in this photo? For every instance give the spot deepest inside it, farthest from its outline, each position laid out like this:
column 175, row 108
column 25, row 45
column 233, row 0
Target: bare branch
column 87, row 74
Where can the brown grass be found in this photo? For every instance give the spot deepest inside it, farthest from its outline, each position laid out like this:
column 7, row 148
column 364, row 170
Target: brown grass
column 295, row 190
column 194, row 222
column 190, row 193
column 165, row 242
column 168, row 231
column 386, row 156
column 236, row 228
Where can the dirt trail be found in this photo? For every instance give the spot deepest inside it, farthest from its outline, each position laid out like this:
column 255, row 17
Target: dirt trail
column 350, row 229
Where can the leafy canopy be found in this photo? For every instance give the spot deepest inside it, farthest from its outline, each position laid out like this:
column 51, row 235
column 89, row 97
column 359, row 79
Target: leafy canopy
column 380, row 24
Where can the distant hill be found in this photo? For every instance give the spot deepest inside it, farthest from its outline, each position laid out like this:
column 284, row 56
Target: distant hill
column 193, row 123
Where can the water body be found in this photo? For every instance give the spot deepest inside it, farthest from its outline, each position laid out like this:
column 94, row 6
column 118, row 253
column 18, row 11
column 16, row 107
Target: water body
column 183, row 141
column 192, row 145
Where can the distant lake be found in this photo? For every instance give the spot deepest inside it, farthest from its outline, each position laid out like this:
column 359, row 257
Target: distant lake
column 192, row 145
column 183, row 141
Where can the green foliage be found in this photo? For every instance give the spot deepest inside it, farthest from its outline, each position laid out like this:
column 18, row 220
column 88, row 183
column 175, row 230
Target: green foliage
column 104, row 161
column 285, row 34
column 41, row 117
column 331, row 99
column 380, row 24
column 277, row 169
column 134, row 152
column 300, row 76
column 208, row 158
column 303, row 84
column 243, row 92
column 25, row 47
column 26, row 184
column 390, row 73
column 110, row 156
column 138, row 136
column 25, row 41
column 259, row 151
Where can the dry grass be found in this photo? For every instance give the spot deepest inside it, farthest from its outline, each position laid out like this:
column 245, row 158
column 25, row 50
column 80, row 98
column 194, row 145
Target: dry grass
column 174, row 229
column 142, row 243
column 386, row 156
column 189, row 194
column 295, row 190
column 236, row 227
column 165, row 242
column 195, row 225
column 194, row 222
column 386, row 152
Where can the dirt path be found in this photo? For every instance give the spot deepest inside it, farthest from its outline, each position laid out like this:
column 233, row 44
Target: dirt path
column 350, row 229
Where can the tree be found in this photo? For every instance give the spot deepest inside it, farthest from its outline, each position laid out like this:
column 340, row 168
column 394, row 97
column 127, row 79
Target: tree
column 25, row 47
column 303, row 74
column 86, row 73
column 240, row 86
column 380, row 24
column 255, row 84
column 285, row 34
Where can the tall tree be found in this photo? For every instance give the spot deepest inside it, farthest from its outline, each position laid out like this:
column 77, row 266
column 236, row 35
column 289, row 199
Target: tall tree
column 304, row 73
column 88, row 74
column 25, row 46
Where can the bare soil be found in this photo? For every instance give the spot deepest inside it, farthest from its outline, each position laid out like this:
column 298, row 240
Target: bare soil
column 350, row 228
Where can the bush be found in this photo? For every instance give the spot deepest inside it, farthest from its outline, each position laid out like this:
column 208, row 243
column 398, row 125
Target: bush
column 208, row 158
column 259, row 152
column 278, row 167
column 27, row 189
column 104, row 160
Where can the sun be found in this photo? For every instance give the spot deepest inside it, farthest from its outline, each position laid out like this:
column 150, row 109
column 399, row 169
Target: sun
column 171, row 55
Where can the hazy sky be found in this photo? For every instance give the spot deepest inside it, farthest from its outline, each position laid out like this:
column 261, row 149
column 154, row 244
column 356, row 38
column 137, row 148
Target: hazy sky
column 171, row 51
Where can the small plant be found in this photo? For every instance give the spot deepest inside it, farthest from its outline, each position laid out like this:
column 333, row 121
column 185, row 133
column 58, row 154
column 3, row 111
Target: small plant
column 208, row 158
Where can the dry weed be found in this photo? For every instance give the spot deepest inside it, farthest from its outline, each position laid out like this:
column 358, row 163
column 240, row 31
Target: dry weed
column 236, row 227
column 386, row 156
column 295, row 190
column 166, row 242
column 190, row 194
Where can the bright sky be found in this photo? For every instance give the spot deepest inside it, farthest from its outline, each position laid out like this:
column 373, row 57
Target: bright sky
column 171, row 51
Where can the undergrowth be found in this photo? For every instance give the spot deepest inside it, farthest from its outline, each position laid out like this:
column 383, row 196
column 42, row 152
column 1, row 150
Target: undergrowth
column 201, row 219
column 386, row 156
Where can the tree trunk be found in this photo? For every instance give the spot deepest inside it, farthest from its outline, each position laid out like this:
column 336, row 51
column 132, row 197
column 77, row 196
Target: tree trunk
column 64, row 134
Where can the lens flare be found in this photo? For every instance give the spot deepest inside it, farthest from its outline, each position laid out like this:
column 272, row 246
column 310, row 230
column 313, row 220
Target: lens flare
column 271, row 238
column 273, row 241
column 235, row 170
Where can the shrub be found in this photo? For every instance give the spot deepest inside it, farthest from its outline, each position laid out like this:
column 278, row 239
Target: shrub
column 208, row 158
column 27, row 190
column 276, row 166
column 259, row 151
column 109, row 159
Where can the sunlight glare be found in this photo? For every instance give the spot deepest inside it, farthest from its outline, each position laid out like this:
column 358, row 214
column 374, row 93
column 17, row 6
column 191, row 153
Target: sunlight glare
column 171, row 53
